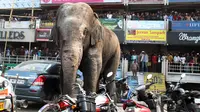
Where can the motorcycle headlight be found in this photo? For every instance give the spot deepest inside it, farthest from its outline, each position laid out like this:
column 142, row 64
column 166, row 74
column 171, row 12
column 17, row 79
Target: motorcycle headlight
column 104, row 107
column 5, row 83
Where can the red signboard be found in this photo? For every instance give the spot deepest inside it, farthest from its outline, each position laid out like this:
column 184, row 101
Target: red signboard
column 72, row 1
column 146, row 1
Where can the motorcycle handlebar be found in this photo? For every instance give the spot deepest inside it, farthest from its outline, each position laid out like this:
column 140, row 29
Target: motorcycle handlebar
column 149, row 84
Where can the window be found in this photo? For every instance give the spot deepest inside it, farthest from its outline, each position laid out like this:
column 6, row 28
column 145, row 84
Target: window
column 34, row 66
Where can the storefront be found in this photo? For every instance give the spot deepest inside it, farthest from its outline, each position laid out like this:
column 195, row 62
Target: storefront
column 16, row 37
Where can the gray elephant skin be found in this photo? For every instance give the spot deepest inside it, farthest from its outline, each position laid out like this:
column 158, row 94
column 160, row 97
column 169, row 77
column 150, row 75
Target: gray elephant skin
column 86, row 45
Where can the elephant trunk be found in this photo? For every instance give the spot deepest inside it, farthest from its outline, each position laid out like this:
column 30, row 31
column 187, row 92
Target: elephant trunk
column 70, row 58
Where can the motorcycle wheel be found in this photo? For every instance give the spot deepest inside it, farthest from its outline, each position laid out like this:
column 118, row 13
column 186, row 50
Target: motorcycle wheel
column 192, row 107
column 50, row 109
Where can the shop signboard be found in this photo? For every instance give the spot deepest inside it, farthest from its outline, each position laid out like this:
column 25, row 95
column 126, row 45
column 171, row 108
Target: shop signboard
column 19, row 4
column 146, row 36
column 43, row 34
column 18, row 24
column 146, row 1
column 185, row 25
column 145, row 25
column 183, row 1
column 17, row 35
column 158, row 79
column 113, row 23
column 183, row 38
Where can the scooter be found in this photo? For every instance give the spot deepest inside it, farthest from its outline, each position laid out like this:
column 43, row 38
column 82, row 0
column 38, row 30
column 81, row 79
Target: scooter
column 144, row 103
column 8, row 100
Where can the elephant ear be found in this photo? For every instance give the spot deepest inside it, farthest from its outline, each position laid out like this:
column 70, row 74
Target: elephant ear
column 54, row 35
column 96, row 34
column 96, row 15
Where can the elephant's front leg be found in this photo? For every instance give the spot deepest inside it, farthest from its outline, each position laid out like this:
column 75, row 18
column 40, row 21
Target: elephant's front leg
column 92, row 69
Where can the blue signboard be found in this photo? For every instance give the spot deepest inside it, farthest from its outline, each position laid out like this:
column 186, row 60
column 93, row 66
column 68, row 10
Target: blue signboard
column 185, row 25
column 184, row 0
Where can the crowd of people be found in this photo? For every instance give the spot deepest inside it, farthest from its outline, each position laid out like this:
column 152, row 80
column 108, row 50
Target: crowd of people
column 34, row 51
column 157, row 15
column 47, row 15
column 178, row 62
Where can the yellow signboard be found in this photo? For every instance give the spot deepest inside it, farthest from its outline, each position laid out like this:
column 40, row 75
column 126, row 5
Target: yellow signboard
column 158, row 79
column 146, row 35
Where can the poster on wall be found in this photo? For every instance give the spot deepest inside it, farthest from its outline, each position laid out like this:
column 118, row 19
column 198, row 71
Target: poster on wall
column 183, row 38
column 158, row 79
column 113, row 23
column 146, row 25
column 146, row 1
column 146, row 36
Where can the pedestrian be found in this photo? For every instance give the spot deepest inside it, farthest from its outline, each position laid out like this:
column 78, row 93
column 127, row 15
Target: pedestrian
column 134, row 68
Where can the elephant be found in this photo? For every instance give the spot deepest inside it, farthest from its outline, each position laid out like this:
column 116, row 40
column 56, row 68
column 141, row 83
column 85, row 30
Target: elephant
column 85, row 44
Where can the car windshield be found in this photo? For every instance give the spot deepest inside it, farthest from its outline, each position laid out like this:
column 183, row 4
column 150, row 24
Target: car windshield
column 33, row 66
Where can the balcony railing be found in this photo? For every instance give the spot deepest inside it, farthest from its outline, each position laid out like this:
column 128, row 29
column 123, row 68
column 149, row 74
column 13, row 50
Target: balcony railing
column 19, row 59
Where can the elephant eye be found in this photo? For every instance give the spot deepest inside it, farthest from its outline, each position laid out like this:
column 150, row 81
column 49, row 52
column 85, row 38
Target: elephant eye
column 85, row 31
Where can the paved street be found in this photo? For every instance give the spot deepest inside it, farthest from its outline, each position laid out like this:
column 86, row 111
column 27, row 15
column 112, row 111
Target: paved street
column 34, row 107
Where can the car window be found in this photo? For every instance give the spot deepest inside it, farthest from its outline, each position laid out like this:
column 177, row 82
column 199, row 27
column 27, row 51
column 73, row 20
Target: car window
column 34, row 66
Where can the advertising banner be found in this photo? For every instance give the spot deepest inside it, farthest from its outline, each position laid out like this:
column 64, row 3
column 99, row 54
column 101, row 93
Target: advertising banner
column 185, row 25
column 184, row 0
column 146, row 25
column 113, row 24
column 158, row 79
column 17, row 24
column 183, row 38
column 19, row 4
column 72, row 1
column 17, row 35
column 146, row 36
column 43, row 34
column 146, row 1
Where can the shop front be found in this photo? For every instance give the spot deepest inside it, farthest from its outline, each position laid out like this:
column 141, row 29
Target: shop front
column 16, row 38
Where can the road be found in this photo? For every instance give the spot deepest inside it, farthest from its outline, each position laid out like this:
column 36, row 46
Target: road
column 34, row 107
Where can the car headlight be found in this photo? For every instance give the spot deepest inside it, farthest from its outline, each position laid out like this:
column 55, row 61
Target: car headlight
column 5, row 83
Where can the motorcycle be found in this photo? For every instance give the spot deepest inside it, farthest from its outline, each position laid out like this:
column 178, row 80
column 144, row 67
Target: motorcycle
column 145, row 102
column 103, row 101
column 179, row 100
column 122, row 89
column 93, row 103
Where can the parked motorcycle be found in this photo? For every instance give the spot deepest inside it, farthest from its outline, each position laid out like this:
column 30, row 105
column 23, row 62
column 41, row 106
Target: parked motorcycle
column 145, row 101
column 103, row 101
column 93, row 103
column 179, row 100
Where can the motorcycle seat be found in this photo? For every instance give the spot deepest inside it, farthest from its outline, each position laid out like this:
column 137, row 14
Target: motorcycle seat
column 141, row 103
